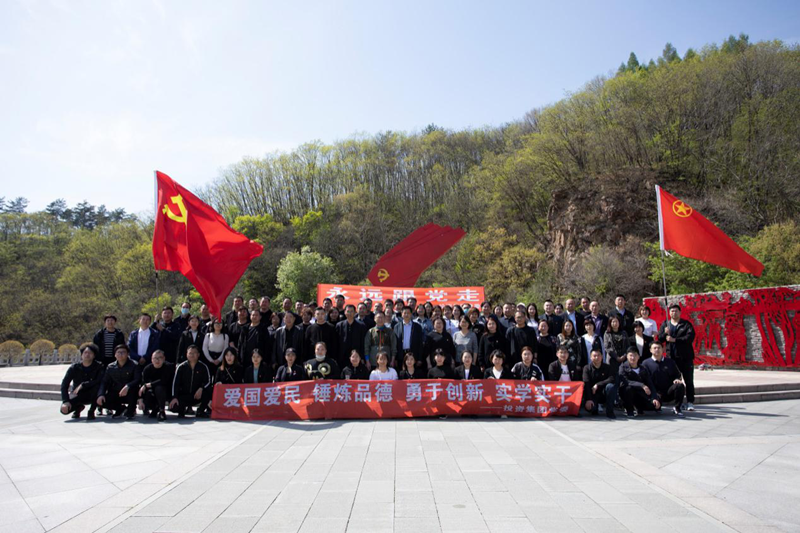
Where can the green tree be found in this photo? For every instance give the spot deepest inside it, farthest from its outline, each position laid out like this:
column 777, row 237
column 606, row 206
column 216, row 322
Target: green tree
column 300, row 272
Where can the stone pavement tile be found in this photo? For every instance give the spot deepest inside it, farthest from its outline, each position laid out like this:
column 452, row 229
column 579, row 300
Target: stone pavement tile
column 484, row 482
column 414, row 504
column 412, row 482
column 332, row 504
column 62, row 482
column 228, row 524
column 764, row 529
column 693, row 524
column 555, row 524
column 497, row 504
column 324, row 525
column 600, row 525
column 272, row 480
column 140, row 524
column 134, row 495
column 53, row 509
column 194, row 518
column 15, row 511
column 35, row 471
column 462, row 522
column 451, row 491
column 509, row 525
column 90, row 520
column 579, row 505
column 403, row 524
column 370, row 525
column 341, row 481
column 370, row 492
column 602, row 492
column 171, row 503
column 296, row 492
column 375, row 511
column 251, row 502
column 654, row 503
column 26, row 526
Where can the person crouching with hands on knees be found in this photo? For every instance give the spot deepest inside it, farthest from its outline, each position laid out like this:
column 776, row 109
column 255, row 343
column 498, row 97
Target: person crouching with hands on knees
column 84, row 377
column 666, row 378
column 119, row 388
column 636, row 386
column 156, row 385
column 191, row 386
column 599, row 389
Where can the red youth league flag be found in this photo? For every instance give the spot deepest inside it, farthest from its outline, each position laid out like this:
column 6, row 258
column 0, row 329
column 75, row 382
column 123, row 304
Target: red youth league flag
column 193, row 239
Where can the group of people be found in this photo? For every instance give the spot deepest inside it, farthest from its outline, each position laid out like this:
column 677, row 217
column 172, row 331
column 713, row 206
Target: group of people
column 625, row 360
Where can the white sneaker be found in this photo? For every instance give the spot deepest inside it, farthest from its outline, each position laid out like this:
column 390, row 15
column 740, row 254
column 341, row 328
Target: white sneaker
column 601, row 409
column 690, row 406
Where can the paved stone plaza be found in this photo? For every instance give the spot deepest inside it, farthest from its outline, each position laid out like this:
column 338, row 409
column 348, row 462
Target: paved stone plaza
column 723, row 468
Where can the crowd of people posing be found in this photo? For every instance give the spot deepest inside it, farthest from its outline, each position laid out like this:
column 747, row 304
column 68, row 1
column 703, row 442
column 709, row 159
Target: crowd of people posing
column 625, row 360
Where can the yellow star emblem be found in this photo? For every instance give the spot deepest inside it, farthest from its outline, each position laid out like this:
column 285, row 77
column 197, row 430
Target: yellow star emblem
column 681, row 209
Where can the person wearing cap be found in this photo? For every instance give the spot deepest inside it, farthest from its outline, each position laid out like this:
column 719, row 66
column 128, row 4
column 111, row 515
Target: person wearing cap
column 636, row 386
column 84, row 378
column 105, row 340
column 678, row 333
column 666, row 378
column 119, row 388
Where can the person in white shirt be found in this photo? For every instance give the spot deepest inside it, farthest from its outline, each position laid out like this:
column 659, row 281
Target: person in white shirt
column 650, row 326
column 383, row 372
column 214, row 343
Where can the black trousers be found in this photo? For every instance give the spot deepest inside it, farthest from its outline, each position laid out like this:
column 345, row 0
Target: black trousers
column 84, row 398
column 635, row 397
column 155, row 399
column 675, row 393
column 114, row 401
column 186, row 401
column 687, row 370
column 606, row 395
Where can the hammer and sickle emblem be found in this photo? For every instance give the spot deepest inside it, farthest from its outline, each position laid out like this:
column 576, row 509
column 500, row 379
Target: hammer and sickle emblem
column 681, row 209
column 177, row 200
column 383, row 275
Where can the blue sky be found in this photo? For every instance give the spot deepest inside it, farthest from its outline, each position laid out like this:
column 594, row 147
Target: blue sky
column 95, row 95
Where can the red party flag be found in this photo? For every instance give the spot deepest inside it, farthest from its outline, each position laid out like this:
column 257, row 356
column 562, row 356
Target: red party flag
column 193, row 239
column 402, row 265
column 688, row 233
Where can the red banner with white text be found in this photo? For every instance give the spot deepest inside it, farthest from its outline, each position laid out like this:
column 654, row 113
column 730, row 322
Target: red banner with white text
column 355, row 294
column 330, row 399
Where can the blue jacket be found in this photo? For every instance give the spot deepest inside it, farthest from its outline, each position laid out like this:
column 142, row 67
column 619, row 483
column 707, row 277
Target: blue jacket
column 152, row 344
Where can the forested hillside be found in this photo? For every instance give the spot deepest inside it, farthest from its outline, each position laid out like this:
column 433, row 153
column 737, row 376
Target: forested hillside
column 557, row 203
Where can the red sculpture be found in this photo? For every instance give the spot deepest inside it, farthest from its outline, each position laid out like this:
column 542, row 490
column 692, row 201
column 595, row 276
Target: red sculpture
column 720, row 326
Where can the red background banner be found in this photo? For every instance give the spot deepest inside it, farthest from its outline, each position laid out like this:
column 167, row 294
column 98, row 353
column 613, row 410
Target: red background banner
column 330, row 399
column 355, row 294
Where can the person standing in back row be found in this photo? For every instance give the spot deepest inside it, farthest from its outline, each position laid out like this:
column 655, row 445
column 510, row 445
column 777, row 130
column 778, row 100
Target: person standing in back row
column 678, row 334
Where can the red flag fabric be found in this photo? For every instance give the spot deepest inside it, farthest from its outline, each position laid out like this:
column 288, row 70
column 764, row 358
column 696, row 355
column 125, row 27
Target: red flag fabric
column 193, row 239
column 688, row 233
column 402, row 265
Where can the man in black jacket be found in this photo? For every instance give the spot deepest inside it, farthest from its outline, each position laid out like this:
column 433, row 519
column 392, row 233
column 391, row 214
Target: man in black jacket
column 233, row 315
column 255, row 336
column 85, row 378
column 555, row 322
column 351, row 334
column 625, row 317
column 679, row 336
column 598, row 386
column 290, row 335
column 191, row 386
column 563, row 369
column 666, row 378
column 169, row 334
column 120, row 384
column 520, row 335
column 410, row 337
column 635, row 386
column 106, row 339
column 156, row 386
column 322, row 331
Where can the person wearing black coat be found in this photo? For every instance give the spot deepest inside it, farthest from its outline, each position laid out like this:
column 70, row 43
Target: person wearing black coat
column 156, row 385
column 191, row 386
column 239, row 326
column 108, row 338
column 441, row 370
column 520, row 335
column 191, row 335
column 256, row 337
column 351, row 334
column 439, row 339
column 666, row 378
column 169, row 334
column 562, row 369
column 678, row 334
column 84, row 378
column 290, row 371
column 526, row 369
column 626, row 318
column 546, row 351
column 410, row 337
column 498, row 369
column 119, row 388
column 288, row 336
column 258, row 372
column 641, row 341
column 599, row 386
column 493, row 339
column 410, row 369
column 321, row 331
column 467, row 370
column 229, row 371
column 357, row 369
column 635, row 385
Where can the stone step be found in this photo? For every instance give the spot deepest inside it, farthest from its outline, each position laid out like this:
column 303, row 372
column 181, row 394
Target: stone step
column 29, row 386
column 30, row 394
column 737, row 397
column 738, row 389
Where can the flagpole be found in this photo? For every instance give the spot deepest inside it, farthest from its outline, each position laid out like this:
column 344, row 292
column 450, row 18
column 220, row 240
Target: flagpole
column 155, row 215
column 661, row 244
